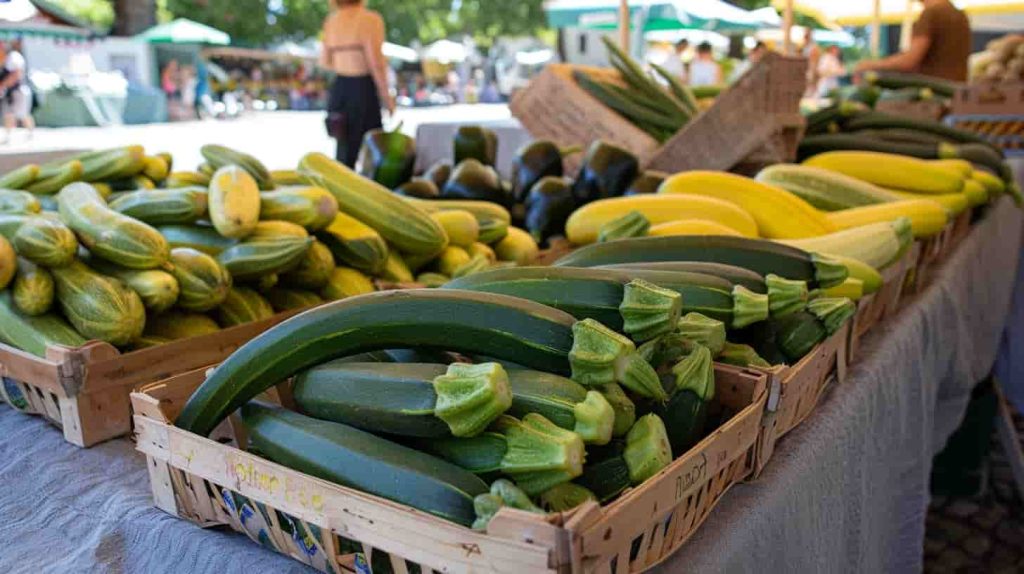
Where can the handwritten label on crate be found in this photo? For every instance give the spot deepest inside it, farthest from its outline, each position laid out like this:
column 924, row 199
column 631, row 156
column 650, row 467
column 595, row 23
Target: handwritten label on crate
column 249, row 472
column 691, row 476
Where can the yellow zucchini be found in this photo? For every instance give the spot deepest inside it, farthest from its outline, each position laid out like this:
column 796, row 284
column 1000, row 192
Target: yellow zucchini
column 890, row 170
column 585, row 223
column 234, row 202
column 927, row 218
column 778, row 213
column 692, row 227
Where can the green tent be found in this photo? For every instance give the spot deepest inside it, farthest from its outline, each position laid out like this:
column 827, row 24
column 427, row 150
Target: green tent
column 185, row 31
column 712, row 15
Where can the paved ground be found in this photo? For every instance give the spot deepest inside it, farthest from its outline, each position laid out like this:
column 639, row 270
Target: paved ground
column 277, row 138
column 979, row 534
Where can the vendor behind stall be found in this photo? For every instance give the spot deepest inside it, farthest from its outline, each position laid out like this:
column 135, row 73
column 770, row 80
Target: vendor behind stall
column 940, row 45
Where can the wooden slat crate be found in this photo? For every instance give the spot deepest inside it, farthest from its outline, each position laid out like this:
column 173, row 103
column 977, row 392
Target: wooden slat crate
column 84, row 391
column 933, row 252
column 922, row 110
column 1001, row 98
column 217, row 483
column 873, row 308
column 780, row 147
column 744, row 118
column 794, row 391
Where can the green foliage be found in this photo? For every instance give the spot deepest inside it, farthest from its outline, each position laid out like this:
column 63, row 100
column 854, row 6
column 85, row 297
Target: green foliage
column 100, row 13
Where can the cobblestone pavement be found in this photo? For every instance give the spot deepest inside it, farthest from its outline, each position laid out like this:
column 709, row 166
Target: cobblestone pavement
column 983, row 533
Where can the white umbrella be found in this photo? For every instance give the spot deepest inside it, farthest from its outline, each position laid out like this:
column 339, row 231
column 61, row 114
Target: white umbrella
column 446, row 52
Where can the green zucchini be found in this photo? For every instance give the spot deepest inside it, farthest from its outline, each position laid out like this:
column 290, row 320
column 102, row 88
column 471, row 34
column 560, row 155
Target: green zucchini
column 600, row 356
column 731, row 273
column 503, row 493
column 108, row 234
column 622, row 406
column 612, row 469
column 881, row 120
column 158, row 289
column 898, row 80
column 564, row 497
column 605, row 473
column 757, row 255
column 399, row 399
column 649, row 310
column 741, row 356
column 533, row 335
column 354, row 458
column 314, row 270
column 201, row 238
column 685, row 413
column 632, row 224
column 311, row 207
column 355, row 244
column 703, row 330
column 34, row 334
column 597, row 293
column 163, row 206
column 247, row 261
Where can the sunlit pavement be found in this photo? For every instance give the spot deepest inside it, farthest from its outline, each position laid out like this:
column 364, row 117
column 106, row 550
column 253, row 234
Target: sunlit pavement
column 280, row 139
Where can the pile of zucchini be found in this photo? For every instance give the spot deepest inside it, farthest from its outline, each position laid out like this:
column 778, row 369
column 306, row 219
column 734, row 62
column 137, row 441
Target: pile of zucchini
column 113, row 245
column 537, row 388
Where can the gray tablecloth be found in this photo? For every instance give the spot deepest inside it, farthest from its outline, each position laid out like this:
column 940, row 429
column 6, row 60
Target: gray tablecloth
column 845, row 492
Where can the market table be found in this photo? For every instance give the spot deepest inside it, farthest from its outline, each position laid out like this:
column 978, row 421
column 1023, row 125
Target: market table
column 846, row 491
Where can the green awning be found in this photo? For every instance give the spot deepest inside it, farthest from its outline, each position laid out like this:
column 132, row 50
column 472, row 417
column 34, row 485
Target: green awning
column 12, row 30
column 185, row 31
column 713, row 15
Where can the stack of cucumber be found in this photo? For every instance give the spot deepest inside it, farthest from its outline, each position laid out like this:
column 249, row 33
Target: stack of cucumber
column 640, row 99
column 115, row 246
column 461, row 400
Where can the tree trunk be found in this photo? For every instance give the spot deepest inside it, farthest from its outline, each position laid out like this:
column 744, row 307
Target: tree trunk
column 133, row 16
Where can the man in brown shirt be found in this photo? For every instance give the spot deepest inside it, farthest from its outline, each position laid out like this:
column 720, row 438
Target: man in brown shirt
column 940, row 45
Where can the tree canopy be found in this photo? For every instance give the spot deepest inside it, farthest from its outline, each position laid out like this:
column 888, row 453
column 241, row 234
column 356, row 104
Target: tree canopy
column 261, row 22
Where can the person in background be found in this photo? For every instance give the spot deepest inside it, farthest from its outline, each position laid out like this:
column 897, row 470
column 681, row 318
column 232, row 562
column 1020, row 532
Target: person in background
column 352, row 40
column 204, row 101
column 674, row 63
column 17, row 103
column 812, row 52
column 704, row 70
column 940, row 45
column 189, row 83
column 169, row 80
column 830, row 69
column 755, row 55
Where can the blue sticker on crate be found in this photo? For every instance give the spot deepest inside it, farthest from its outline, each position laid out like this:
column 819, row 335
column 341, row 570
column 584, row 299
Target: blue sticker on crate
column 362, row 566
column 13, row 395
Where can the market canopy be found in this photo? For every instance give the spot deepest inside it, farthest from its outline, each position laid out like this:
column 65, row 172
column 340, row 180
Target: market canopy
column 37, row 18
column 715, row 15
column 184, row 31
column 861, row 12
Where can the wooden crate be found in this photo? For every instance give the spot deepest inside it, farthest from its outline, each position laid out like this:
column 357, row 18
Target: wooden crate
column 553, row 106
column 780, row 147
column 794, row 391
column 961, row 228
column 884, row 303
column 765, row 100
column 203, row 480
column 933, row 251
column 1002, row 98
column 744, row 118
column 922, row 110
column 84, row 391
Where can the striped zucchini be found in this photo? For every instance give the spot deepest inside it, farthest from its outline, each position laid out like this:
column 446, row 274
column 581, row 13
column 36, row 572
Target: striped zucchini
column 344, row 283
column 286, row 177
column 406, row 227
column 198, row 237
column 218, row 156
column 757, row 255
column 355, row 244
column 503, row 327
column 357, row 459
column 157, row 288
column 247, row 261
column 163, row 206
column 108, row 234
column 731, row 273
column 175, row 324
column 44, row 240
column 311, row 207
column 20, row 178
column 274, row 230
column 12, row 201
column 34, row 334
column 314, row 271
column 233, row 202
column 99, row 307
column 33, row 289
column 243, row 305
column 67, row 174
column 824, row 189
column 878, row 244
column 203, row 282
column 287, row 299
column 186, row 179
